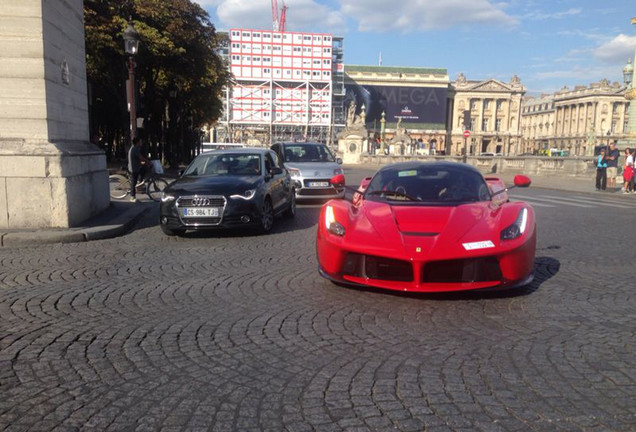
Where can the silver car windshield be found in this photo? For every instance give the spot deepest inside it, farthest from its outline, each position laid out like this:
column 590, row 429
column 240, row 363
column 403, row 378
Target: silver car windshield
column 307, row 153
column 243, row 164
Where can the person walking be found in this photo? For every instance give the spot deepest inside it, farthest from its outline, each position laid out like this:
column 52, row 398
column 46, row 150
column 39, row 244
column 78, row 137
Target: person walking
column 601, row 171
column 136, row 164
column 628, row 172
column 612, row 166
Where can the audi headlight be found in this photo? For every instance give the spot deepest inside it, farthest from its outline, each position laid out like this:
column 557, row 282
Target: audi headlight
column 333, row 226
column 517, row 228
column 165, row 197
column 294, row 172
column 247, row 195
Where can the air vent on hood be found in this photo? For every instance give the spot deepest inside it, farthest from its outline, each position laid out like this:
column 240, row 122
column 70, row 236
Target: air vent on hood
column 420, row 234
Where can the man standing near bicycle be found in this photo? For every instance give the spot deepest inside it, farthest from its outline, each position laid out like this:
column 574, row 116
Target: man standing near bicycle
column 136, row 166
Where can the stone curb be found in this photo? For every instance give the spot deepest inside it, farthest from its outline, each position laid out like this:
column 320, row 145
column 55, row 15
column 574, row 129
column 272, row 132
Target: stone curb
column 74, row 235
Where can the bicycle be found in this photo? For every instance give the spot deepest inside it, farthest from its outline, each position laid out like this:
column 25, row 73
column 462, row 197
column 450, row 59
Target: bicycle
column 153, row 184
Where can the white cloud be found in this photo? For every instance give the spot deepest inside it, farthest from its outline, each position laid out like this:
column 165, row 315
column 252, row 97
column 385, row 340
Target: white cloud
column 386, row 15
column 371, row 15
column 616, row 51
column 302, row 15
column 541, row 16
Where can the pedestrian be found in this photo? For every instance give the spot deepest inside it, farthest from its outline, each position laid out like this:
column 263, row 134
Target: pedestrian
column 628, row 172
column 612, row 166
column 601, row 171
column 136, row 166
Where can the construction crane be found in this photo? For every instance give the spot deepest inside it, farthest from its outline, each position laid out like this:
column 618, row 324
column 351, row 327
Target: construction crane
column 279, row 24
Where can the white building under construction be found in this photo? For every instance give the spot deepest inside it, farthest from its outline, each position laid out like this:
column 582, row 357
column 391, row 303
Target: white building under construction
column 284, row 86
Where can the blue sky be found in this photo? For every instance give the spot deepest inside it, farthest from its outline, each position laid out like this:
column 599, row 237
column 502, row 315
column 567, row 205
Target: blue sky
column 548, row 44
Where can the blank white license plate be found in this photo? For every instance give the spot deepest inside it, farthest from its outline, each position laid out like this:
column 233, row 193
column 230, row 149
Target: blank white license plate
column 200, row 212
column 319, row 184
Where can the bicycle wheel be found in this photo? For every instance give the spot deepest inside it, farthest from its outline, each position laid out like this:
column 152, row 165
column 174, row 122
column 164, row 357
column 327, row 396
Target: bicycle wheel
column 119, row 186
column 155, row 188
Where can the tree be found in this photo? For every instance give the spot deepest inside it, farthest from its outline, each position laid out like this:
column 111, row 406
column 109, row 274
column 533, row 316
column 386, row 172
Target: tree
column 180, row 76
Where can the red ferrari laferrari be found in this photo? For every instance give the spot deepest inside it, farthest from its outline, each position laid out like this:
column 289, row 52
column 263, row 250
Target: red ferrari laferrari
column 428, row 227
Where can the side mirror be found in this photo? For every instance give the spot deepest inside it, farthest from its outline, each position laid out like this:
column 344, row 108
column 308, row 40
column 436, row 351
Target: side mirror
column 276, row 171
column 337, row 180
column 522, row 181
column 339, row 161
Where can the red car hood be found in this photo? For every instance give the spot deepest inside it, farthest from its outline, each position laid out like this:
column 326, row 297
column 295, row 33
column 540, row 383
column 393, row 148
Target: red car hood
column 416, row 230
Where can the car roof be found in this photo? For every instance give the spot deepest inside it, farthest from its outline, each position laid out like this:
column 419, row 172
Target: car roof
column 301, row 143
column 436, row 164
column 238, row 150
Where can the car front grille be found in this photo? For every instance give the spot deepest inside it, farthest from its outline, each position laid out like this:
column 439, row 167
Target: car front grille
column 195, row 201
column 215, row 200
column 375, row 267
column 483, row 269
column 317, row 192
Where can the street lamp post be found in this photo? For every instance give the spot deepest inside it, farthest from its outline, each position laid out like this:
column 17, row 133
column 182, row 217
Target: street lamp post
column 131, row 46
column 629, row 77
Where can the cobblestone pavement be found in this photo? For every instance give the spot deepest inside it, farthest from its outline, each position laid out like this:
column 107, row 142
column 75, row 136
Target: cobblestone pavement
column 238, row 332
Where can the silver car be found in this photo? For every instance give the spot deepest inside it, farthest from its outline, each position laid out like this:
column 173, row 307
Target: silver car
column 311, row 166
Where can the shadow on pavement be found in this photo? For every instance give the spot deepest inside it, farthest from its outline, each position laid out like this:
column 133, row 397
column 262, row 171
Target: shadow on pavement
column 306, row 217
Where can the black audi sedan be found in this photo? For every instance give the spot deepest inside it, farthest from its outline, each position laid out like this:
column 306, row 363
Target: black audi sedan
column 228, row 189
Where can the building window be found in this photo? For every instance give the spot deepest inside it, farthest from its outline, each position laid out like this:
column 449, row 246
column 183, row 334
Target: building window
column 484, row 125
column 267, row 36
column 498, row 125
column 246, row 35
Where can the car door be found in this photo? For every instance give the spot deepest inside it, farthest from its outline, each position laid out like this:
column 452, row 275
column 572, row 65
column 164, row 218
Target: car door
column 276, row 181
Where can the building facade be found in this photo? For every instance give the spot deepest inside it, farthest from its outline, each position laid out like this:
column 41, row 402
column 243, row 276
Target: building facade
column 285, row 85
column 577, row 120
column 492, row 110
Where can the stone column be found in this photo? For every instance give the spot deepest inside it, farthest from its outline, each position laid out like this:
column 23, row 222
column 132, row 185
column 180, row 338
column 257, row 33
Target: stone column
column 50, row 175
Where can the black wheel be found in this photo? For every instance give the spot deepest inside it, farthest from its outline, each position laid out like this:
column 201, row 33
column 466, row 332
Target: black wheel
column 172, row 232
column 267, row 217
column 291, row 210
column 155, row 188
column 119, row 186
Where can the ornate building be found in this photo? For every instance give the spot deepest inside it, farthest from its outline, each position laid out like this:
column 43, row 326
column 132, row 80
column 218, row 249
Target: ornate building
column 576, row 120
column 495, row 115
column 537, row 123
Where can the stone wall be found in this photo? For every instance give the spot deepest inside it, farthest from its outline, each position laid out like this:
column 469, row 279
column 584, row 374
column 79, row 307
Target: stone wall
column 559, row 166
column 50, row 175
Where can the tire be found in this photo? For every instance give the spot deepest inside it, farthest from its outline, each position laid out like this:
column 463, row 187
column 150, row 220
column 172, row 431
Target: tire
column 119, row 186
column 155, row 188
column 291, row 210
column 172, row 232
column 267, row 217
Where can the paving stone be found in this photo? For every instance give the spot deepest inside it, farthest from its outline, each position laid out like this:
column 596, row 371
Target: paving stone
column 227, row 332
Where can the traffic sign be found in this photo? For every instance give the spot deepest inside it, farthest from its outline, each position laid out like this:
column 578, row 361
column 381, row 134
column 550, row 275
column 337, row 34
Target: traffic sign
column 466, row 133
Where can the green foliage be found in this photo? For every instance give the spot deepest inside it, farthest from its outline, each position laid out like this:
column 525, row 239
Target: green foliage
column 179, row 75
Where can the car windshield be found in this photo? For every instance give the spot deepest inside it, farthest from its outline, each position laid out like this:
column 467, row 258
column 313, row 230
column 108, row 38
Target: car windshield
column 307, row 153
column 226, row 164
column 428, row 186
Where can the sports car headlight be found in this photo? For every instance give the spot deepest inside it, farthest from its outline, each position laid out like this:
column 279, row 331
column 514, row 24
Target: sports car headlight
column 333, row 226
column 247, row 195
column 517, row 228
column 294, row 172
column 167, row 197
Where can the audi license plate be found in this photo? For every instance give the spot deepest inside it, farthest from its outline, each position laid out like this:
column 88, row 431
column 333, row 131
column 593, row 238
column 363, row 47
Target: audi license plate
column 318, row 184
column 200, row 212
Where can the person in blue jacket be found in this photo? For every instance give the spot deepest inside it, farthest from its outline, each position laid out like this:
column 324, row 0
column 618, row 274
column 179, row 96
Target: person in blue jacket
column 601, row 171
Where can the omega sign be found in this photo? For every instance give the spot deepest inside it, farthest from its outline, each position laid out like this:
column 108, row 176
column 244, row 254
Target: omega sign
column 412, row 104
